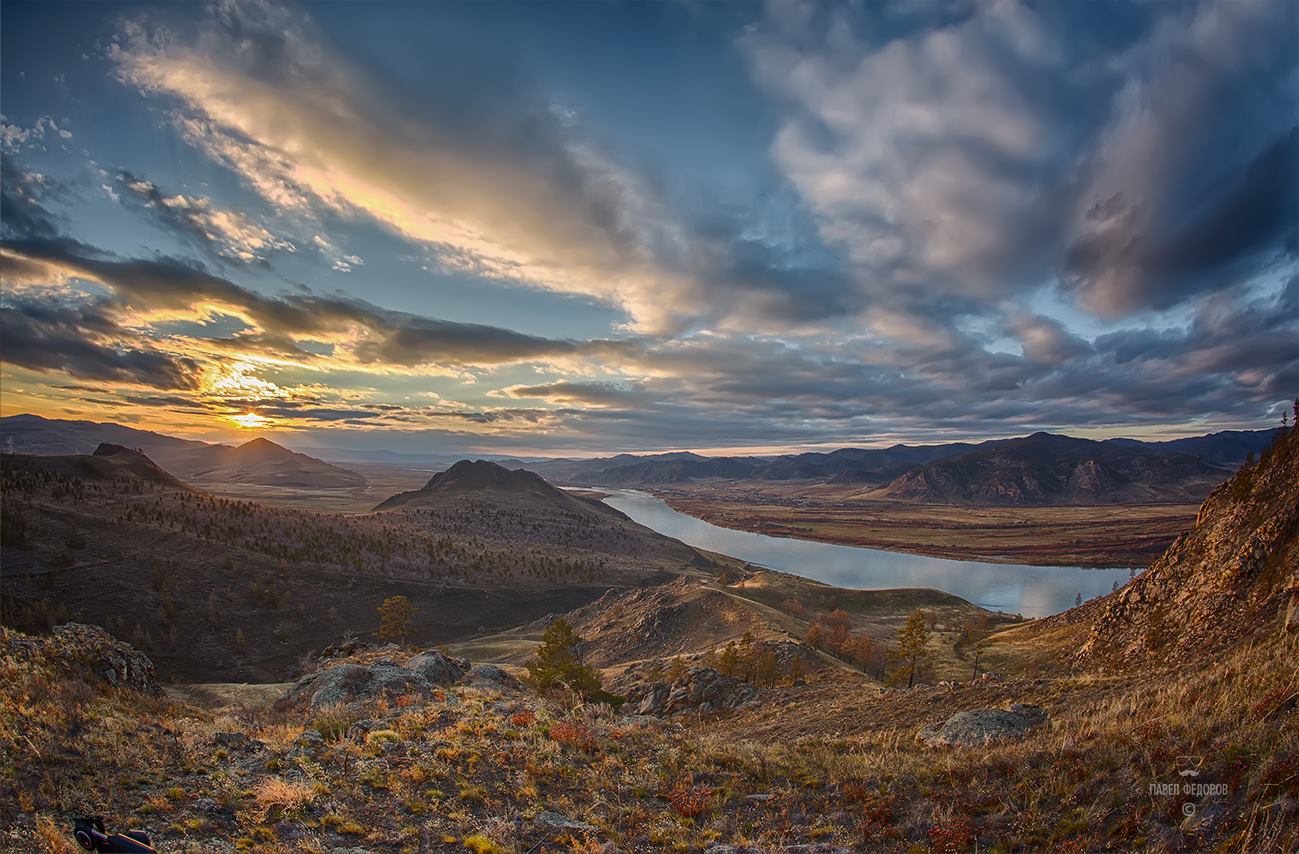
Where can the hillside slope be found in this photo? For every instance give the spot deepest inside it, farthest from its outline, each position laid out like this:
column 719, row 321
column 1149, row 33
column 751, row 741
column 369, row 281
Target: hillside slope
column 220, row 589
column 1231, row 577
column 107, row 464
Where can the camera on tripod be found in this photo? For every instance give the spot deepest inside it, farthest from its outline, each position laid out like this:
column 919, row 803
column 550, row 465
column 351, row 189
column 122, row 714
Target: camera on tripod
column 93, row 836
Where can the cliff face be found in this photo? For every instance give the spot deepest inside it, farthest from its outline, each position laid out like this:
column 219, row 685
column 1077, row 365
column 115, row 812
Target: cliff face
column 1235, row 575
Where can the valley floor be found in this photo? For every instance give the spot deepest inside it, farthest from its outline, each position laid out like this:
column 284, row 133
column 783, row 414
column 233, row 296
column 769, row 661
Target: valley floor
column 1104, row 536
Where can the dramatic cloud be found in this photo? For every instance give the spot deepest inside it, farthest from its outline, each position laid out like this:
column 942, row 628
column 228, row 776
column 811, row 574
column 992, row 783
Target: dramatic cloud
column 225, row 235
column 499, row 182
column 82, row 342
column 951, row 160
column 892, row 221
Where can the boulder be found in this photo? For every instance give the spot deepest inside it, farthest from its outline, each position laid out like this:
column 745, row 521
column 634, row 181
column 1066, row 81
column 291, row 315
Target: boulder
column 562, row 822
column 437, row 668
column 351, row 682
column 979, row 727
column 491, row 677
column 697, row 689
column 97, row 655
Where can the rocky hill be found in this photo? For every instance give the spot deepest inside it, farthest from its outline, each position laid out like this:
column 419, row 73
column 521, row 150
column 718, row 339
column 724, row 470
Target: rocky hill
column 482, row 478
column 262, row 462
column 1233, row 577
column 1046, row 469
column 107, row 464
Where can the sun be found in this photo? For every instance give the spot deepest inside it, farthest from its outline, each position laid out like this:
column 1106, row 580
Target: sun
column 250, row 420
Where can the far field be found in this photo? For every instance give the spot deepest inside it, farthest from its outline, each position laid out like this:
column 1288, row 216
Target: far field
column 1105, row 536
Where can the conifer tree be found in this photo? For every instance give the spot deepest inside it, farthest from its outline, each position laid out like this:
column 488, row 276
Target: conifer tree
column 395, row 617
column 558, row 663
column 913, row 653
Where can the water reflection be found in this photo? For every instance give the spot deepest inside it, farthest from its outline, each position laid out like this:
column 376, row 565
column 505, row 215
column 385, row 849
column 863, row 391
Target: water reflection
column 1034, row 591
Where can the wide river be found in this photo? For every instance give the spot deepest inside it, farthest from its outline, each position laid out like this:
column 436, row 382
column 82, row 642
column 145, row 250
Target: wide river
column 1034, row 591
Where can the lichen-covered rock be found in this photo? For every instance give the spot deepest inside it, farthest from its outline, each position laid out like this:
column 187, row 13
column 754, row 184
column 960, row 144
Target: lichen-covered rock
column 493, row 678
column 979, row 727
column 94, row 653
column 347, row 682
column 696, row 689
column 437, row 668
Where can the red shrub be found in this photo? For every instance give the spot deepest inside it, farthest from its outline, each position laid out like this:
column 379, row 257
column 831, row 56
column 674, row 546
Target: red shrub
column 573, row 734
column 955, row 835
column 524, row 718
column 690, row 801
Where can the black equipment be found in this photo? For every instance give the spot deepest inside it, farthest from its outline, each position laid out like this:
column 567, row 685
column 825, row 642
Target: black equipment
column 92, row 836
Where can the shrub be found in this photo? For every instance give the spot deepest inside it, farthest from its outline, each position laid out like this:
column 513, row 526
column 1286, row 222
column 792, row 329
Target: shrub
column 333, row 722
column 690, row 801
column 573, row 734
column 956, row 834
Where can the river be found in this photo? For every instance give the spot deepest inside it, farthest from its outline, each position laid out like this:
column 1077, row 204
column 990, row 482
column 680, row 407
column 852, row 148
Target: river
column 1033, row 591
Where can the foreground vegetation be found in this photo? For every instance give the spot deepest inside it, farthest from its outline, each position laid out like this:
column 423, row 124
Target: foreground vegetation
column 473, row 769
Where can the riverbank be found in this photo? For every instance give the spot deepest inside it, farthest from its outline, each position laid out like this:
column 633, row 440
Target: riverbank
column 1094, row 537
column 1030, row 589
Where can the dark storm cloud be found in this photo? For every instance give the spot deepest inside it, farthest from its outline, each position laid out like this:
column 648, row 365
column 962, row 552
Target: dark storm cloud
column 1136, row 151
column 1252, row 219
column 81, row 341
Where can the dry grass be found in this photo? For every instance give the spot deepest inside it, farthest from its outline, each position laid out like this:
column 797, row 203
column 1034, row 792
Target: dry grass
column 470, row 772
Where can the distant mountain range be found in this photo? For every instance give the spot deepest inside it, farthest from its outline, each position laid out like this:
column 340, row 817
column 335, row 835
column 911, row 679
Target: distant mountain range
column 1049, row 469
column 1043, row 468
column 260, row 462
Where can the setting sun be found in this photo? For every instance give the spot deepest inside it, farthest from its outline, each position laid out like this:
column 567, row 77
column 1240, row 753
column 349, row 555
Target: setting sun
column 250, row 420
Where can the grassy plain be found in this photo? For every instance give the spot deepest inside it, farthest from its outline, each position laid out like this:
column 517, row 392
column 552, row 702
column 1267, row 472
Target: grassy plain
column 1106, row 536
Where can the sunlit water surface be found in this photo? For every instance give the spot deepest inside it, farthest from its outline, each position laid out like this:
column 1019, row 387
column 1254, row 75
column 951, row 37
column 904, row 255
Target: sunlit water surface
column 1034, row 591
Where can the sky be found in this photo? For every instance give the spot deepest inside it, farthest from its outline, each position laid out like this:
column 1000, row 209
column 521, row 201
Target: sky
column 577, row 228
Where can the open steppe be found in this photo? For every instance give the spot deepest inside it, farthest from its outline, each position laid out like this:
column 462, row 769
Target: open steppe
column 1097, row 536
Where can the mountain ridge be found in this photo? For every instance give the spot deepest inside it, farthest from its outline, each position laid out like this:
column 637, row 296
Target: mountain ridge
column 258, row 462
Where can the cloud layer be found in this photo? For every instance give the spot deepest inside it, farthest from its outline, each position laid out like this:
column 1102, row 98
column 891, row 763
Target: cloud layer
column 973, row 219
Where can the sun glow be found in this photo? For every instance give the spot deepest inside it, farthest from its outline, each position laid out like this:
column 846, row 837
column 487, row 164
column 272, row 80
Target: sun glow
column 250, row 420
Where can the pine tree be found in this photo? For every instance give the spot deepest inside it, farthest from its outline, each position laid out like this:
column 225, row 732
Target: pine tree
column 973, row 633
column 395, row 617
column 913, row 653
column 557, row 663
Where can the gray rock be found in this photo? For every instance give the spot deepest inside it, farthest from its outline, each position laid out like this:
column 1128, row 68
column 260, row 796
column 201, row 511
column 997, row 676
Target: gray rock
column 233, row 740
column 492, row 677
column 99, row 655
column 562, row 822
column 697, row 689
column 311, row 740
column 984, row 726
column 437, row 668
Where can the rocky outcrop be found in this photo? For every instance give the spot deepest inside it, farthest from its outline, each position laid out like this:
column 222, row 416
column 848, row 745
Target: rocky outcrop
column 979, row 727
column 350, row 681
column 1228, row 578
column 93, row 654
column 492, row 678
column 700, row 689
